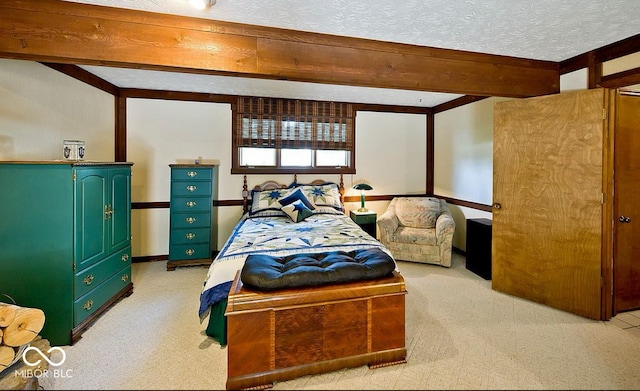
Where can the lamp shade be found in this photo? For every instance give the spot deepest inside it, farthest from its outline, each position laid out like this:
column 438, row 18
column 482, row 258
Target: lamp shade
column 362, row 186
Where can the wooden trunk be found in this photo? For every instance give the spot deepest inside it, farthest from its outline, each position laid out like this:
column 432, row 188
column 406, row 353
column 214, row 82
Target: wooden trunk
column 284, row 334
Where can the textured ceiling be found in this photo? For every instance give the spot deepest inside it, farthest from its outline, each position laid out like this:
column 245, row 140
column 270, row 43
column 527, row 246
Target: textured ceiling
column 553, row 30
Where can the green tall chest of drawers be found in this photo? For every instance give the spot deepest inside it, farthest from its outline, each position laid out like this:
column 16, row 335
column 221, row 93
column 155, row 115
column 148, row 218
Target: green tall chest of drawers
column 193, row 219
column 66, row 241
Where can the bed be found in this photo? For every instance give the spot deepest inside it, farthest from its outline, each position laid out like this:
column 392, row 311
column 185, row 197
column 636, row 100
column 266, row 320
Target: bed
column 276, row 230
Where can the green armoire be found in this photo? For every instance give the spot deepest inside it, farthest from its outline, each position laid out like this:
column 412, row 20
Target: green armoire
column 65, row 241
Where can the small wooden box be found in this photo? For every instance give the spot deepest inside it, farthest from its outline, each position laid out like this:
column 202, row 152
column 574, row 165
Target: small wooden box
column 284, row 334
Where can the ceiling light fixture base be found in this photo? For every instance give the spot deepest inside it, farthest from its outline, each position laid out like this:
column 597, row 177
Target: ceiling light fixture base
column 202, row 4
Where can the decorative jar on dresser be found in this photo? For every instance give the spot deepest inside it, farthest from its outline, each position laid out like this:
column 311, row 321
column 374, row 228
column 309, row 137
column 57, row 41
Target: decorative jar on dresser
column 193, row 220
column 66, row 240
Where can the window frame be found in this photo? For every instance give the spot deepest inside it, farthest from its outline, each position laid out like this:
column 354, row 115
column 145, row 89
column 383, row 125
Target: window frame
column 348, row 117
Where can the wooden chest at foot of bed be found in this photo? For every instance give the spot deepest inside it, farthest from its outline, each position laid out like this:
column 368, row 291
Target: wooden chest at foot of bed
column 284, row 334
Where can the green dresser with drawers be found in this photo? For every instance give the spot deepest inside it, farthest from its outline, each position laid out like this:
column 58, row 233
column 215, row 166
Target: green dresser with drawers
column 66, row 241
column 192, row 217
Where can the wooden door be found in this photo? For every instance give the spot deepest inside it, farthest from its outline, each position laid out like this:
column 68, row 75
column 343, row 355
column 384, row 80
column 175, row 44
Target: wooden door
column 626, row 264
column 547, row 189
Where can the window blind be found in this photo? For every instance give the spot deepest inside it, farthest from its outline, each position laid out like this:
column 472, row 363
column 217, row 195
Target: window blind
column 290, row 123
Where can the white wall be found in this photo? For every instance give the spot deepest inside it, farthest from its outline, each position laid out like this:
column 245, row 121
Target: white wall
column 463, row 167
column 464, row 153
column 163, row 132
column 40, row 107
column 390, row 156
column 576, row 80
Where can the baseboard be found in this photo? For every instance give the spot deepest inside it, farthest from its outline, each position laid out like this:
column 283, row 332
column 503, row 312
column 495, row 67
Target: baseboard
column 150, row 258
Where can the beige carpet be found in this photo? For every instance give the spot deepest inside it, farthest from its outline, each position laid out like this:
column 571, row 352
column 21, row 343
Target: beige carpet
column 460, row 335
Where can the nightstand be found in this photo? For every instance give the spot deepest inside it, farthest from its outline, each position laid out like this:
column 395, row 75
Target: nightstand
column 366, row 221
column 478, row 259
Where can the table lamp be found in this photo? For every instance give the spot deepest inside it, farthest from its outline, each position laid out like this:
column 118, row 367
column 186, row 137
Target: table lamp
column 362, row 187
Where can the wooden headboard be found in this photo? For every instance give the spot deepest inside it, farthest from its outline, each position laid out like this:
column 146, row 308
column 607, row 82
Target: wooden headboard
column 270, row 185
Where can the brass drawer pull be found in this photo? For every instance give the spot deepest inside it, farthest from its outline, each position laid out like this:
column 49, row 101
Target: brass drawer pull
column 125, row 277
column 190, row 220
column 88, row 304
column 192, row 174
column 88, row 279
column 191, row 188
column 125, row 257
column 191, row 204
column 190, row 235
column 190, row 251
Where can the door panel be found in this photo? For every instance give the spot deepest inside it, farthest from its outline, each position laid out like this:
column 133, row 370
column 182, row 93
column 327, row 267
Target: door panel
column 90, row 229
column 547, row 223
column 120, row 203
column 626, row 265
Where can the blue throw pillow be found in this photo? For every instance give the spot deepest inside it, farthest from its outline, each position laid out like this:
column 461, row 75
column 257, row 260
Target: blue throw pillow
column 297, row 195
column 297, row 211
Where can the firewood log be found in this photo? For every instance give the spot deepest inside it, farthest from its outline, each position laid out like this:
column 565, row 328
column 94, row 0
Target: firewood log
column 7, row 354
column 26, row 380
column 25, row 326
column 7, row 314
column 0, row 336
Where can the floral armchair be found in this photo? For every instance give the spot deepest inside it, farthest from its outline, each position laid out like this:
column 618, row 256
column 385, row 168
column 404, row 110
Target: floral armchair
column 418, row 229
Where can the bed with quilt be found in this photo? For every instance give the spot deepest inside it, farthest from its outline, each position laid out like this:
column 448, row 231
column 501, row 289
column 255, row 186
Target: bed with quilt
column 294, row 253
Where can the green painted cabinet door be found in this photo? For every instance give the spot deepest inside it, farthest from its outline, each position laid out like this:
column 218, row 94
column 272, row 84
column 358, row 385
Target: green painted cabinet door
column 103, row 218
column 91, row 215
column 120, row 215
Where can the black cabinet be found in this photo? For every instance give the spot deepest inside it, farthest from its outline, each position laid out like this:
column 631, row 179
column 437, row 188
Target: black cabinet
column 479, row 247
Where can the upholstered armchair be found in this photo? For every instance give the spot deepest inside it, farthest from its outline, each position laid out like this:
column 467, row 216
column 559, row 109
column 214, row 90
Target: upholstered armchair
column 418, row 229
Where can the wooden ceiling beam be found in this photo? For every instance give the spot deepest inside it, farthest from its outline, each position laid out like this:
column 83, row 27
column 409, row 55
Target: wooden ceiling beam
column 463, row 100
column 621, row 79
column 85, row 77
column 72, row 33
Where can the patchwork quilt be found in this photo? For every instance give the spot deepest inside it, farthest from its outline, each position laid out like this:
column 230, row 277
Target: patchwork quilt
column 279, row 235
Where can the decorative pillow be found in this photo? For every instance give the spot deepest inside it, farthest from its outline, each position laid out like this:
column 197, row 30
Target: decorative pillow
column 297, row 211
column 417, row 212
column 327, row 194
column 296, row 195
column 267, row 200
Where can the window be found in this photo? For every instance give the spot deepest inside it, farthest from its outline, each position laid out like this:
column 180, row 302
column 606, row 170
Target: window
column 292, row 136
